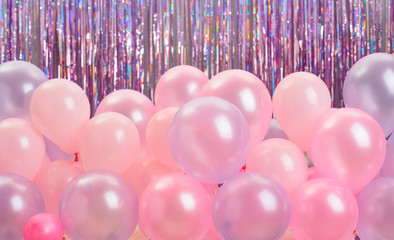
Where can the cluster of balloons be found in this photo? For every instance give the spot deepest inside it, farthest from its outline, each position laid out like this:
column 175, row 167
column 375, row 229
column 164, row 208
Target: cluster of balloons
column 205, row 161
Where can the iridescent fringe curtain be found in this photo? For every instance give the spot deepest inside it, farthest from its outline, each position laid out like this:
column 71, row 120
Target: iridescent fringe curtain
column 105, row 45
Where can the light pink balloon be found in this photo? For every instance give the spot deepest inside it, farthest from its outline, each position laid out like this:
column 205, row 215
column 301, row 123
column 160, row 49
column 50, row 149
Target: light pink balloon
column 22, row 148
column 59, row 108
column 175, row 207
column 300, row 100
column 280, row 159
column 179, row 85
column 348, row 145
column 248, row 93
column 52, row 180
column 109, row 141
column 323, row 209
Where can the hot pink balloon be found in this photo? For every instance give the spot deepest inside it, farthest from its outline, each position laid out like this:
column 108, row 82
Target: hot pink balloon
column 323, row 209
column 248, row 93
column 175, row 207
column 300, row 100
column 59, row 108
column 179, row 85
column 280, row 159
column 43, row 226
column 348, row 145
column 22, row 148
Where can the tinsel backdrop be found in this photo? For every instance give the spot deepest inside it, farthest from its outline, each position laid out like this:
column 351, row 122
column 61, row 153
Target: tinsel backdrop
column 105, row 45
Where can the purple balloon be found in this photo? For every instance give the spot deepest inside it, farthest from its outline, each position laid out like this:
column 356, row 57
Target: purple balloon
column 376, row 210
column 388, row 164
column 251, row 206
column 275, row 131
column 99, row 204
column 20, row 199
column 18, row 80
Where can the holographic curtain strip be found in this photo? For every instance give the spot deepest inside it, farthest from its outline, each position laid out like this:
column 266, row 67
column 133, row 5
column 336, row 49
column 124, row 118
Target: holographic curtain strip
column 105, row 45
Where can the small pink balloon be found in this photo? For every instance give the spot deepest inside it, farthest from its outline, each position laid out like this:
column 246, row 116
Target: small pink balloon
column 300, row 100
column 175, row 207
column 179, row 85
column 323, row 209
column 59, row 108
column 43, row 226
column 22, row 148
column 109, row 141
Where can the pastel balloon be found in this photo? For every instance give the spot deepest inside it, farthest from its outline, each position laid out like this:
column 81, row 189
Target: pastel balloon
column 59, row 109
column 209, row 139
column 109, row 141
column 175, row 207
column 300, row 100
column 369, row 86
column 251, row 206
column 248, row 93
column 348, row 145
column 179, row 85
column 323, row 209
column 43, row 226
column 22, row 147
column 20, row 199
column 280, row 159
column 275, row 130
column 388, row 164
column 100, row 205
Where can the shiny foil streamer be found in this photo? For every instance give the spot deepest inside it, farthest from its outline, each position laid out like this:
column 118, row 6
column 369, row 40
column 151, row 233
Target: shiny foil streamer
column 105, row 45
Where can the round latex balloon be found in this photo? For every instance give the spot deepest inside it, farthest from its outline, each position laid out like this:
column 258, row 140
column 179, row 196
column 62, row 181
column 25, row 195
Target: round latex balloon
column 275, row 130
column 43, row 226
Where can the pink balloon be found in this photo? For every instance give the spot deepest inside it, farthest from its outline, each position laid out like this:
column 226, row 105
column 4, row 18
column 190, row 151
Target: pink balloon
column 300, row 100
column 179, row 85
column 59, row 108
column 348, row 145
column 248, row 93
column 209, row 139
column 22, row 148
column 323, row 209
column 280, row 159
column 52, row 179
column 175, row 207
column 43, row 226
column 109, row 141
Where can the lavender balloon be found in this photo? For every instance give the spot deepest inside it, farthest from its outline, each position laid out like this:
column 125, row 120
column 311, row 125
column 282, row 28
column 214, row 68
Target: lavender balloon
column 275, row 130
column 20, row 199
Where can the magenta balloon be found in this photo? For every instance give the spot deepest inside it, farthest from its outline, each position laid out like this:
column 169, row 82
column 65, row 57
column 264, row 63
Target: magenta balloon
column 20, row 199
column 43, row 226
column 275, row 130
column 388, row 165
column 209, row 139
column 348, row 145
column 323, row 209
column 248, row 93
column 251, row 206
column 99, row 204
column 175, row 207
column 376, row 204
column 18, row 80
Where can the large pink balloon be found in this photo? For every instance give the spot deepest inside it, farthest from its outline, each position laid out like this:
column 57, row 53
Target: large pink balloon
column 22, row 148
column 280, row 159
column 300, row 100
column 248, row 93
column 109, row 141
column 323, row 209
column 175, row 207
column 59, row 108
column 43, row 226
column 209, row 139
column 348, row 145
column 179, row 85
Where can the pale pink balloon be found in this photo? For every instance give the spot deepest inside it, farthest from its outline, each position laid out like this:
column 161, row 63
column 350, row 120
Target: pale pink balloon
column 300, row 100
column 323, row 209
column 52, row 180
column 59, row 108
column 22, row 148
column 348, row 145
column 109, row 141
column 249, row 94
column 179, row 85
column 280, row 159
